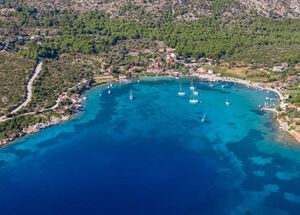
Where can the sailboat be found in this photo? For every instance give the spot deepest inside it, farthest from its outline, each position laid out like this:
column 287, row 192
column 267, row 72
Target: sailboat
column 131, row 97
column 181, row 93
column 109, row 92
column 193, row 100
column 195, row 92
column 192, row 86
column 203, row 118
column 211, row 84
column 227, row 102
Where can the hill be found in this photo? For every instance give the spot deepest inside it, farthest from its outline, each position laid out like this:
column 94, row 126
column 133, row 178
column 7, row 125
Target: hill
column 181, row 9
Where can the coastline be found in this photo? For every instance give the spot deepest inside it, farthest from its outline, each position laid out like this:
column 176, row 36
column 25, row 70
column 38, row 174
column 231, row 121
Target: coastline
column 57, row 120
column 283, row 126
column 33, row 129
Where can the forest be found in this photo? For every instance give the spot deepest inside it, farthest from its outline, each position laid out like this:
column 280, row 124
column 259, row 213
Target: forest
column 253, row 39
column 75, row 46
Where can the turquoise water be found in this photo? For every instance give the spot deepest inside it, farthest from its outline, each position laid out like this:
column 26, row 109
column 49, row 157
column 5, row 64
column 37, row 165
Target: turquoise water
column 154, row 155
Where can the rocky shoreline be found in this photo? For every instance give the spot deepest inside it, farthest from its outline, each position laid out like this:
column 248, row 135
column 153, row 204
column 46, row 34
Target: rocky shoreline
column 34, row 129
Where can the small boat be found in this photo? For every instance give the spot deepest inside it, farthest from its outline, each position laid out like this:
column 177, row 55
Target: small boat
column 131, row 97
column 211, row 84
column 99, row 94
column 203, row 118
column 195, row 93
column 109, row 92
column 227, row 102
column 181, row 93
column 192, row 86
column 193, row 100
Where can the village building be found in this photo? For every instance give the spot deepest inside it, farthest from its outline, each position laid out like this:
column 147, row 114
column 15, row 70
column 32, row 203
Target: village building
column 155, row 70
column 171, row 59
column 281, row 68
column 293, row 79
column 203, row 70
column 135, row 69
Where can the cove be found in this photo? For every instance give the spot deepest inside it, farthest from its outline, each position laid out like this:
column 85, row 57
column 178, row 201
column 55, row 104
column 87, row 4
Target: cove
column 154, row 155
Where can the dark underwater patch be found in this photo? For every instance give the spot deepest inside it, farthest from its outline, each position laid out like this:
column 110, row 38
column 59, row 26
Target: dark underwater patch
column 258, row 112
column 3, row 163
column 20, row 153
column 231, row 124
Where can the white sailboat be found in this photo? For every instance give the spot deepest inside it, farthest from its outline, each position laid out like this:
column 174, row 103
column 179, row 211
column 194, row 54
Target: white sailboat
column 192, row 86
column 109, row 92
column 181, row 93
column 131, row 97
column 195, row 92
column 193, row 100
column 203, row 118
column 227, row 102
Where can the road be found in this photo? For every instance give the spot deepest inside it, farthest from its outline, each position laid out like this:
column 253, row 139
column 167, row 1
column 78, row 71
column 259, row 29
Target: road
column 29, row 88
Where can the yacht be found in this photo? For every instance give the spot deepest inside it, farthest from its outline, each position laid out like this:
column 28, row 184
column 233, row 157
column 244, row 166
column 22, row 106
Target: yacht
column 195, row 93
column 193, row 100
column 227, row 102
column 131, row 97
column 203, row 118
column 181, row 93
column 192, row 86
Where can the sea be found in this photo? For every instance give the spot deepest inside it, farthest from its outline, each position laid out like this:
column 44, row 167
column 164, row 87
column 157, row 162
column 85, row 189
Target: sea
column 157, row 154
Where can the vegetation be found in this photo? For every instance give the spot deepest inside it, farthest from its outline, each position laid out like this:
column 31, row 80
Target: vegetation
column 16, row 125
column 14, row 73
column 57, row 77
column 77, row 46
column 252, row 39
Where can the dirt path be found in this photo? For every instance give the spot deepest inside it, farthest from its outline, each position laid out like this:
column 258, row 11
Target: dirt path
column 29, row 88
